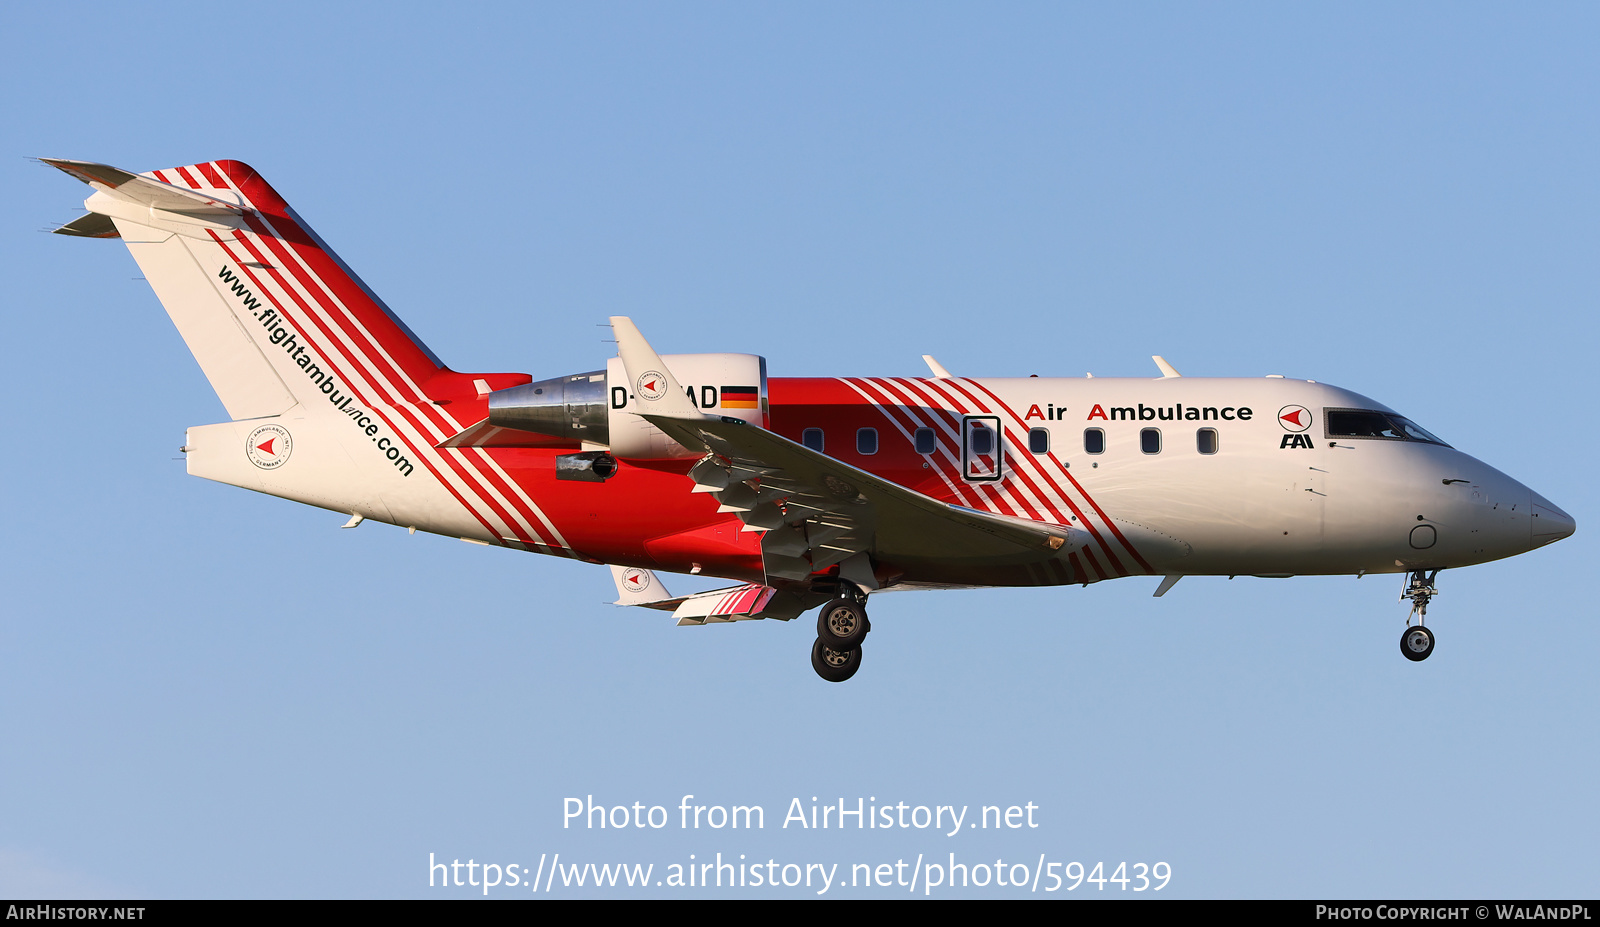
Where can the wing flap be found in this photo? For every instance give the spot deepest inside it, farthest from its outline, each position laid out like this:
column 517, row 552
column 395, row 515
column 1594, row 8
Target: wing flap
column 818, row 512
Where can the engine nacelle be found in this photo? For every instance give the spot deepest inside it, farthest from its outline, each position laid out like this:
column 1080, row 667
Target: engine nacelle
column 718, row 384
column 596, row 409
column 571, row 407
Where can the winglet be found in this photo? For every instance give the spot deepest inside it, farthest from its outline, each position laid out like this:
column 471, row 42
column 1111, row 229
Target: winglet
column 1167, row 370
column 939, row 372
column 657, row 391
column 637, row 586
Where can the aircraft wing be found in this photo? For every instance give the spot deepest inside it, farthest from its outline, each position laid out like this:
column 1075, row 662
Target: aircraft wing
column 817, row 511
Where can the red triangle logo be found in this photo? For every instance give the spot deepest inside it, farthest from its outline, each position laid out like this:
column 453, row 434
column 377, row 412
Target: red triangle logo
column 1294, row 417
column 267, row 447
column 650, row 386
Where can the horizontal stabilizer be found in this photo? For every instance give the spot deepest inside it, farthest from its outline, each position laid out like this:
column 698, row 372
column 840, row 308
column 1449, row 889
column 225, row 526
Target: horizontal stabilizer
column 90, row 225
column 147, row 191
column 119, row 194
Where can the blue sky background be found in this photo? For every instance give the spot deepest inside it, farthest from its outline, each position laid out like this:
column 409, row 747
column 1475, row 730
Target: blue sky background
column 210, row 693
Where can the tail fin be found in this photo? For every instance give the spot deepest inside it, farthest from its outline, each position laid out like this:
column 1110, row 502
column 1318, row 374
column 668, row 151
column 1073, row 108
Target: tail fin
column 285, row 332
column 271, row 314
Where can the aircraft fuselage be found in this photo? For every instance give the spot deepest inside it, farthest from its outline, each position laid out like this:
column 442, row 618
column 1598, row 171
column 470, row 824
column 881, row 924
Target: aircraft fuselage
column 811, row 490
column 1259, row 495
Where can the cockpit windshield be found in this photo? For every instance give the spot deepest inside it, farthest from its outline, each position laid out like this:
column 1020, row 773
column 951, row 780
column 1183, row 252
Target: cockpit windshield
column 1367, row 423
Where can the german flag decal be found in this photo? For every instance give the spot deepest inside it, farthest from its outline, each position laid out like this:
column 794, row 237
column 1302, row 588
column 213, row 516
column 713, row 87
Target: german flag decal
column 740, row 397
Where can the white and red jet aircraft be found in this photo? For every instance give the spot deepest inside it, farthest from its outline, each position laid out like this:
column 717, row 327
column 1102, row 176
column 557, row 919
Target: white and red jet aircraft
column 809, row 492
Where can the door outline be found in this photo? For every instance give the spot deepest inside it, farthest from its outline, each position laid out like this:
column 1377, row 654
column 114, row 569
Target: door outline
column 977, row 467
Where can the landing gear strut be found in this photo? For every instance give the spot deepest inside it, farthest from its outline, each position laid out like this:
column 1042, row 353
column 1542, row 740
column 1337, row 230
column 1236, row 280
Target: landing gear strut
column 841, row 627
column 1417, row 642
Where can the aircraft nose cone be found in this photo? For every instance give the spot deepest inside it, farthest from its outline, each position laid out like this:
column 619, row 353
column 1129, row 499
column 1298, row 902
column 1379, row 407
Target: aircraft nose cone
column 1550, row 524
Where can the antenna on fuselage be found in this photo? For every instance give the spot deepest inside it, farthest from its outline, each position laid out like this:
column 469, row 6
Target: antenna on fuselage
column 1167, row 370
column 939, row 373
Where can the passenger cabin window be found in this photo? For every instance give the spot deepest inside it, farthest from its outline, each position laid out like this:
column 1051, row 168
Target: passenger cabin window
column 982, row 441
column 866, row 440
column 812, row 438
column 1206, row 440
column 1039, row 440
column 1150, row 440
column 926, row 442
column 1367, row 423
column 1094, row 441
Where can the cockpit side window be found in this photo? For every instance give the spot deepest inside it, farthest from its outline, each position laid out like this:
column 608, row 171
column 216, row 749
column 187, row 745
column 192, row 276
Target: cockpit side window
column 1368, row 423
column 1416, row 432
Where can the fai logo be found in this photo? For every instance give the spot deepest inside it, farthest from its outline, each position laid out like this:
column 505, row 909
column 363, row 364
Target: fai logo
column 1294, row 418
column 652, row 385
column 635, row 580
column 268, row 447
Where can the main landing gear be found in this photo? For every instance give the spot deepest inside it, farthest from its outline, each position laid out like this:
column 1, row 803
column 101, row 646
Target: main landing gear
column 1417, row 642
column 841, row 627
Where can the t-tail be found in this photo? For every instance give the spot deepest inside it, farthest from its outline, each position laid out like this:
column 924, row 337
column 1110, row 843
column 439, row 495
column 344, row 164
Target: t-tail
column 334, row 401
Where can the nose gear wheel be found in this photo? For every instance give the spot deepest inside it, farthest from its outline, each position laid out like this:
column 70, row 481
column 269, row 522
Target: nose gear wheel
column 1416, row 643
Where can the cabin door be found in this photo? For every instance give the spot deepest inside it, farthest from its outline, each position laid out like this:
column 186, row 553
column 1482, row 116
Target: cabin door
column 982, row 451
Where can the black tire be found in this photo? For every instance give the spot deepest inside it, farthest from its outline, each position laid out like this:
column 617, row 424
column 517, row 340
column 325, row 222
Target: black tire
column 834, row 665
column 1416, row 643
column 842, row 624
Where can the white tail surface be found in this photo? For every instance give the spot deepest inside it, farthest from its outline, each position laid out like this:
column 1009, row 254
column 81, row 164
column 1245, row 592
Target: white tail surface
column 335, row 402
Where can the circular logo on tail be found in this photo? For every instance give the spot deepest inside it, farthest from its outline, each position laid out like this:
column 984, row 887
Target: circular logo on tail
column 635, row 579
column 652, row 385
column 1294, row 418
column 268, row 446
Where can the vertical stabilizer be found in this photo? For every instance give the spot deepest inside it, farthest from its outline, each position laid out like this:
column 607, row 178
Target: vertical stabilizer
column 270, row 312
column 334, row 402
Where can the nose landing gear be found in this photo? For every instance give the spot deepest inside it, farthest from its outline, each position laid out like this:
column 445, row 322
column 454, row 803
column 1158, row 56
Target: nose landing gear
column 1417, row 642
